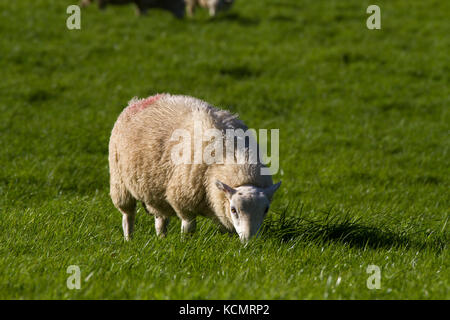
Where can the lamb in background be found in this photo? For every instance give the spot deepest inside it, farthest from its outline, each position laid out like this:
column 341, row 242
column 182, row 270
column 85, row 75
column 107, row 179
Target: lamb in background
column 177, row 7
column 213, row 6
column 234, row 195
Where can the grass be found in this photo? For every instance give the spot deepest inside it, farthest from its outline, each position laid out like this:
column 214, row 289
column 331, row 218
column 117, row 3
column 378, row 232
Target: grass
column 363, row 118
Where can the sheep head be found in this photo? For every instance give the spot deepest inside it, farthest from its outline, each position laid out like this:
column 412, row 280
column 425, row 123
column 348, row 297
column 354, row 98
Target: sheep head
column 248, row 206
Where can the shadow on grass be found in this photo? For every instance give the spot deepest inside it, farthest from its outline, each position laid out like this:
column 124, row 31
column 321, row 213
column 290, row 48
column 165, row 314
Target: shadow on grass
column 346, row 230
column 236, row 18
column 282, row 18
column 239, row 72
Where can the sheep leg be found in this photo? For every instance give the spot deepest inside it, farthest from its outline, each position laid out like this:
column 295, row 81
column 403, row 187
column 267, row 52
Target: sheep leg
column 124, row 202
column 128, row 218
column 188, row 225
column 161, row 226
column 161, row 219
column 212, row 11
column 190, row 7
column 141, row 9
column 188, row 222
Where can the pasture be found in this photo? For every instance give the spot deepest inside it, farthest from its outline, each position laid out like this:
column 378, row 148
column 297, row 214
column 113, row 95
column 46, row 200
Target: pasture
column 364, row 123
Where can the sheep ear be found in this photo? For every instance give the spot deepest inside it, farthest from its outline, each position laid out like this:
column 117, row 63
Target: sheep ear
column 271, row 190
column 229, row 191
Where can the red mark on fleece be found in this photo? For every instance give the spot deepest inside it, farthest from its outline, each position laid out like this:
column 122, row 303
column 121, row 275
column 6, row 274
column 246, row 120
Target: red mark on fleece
column 142, row 104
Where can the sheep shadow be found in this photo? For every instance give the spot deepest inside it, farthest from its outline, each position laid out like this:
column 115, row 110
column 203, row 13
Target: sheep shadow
column 344, row 230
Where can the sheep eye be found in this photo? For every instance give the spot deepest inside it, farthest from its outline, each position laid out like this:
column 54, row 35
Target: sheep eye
column 233, row 210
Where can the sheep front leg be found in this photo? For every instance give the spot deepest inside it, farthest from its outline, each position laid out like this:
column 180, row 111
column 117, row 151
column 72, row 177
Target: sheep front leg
column 188, row 226
column 212, row 11
column 190, row 7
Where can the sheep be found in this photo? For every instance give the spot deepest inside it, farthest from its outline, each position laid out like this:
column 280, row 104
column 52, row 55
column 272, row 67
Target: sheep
column 142, row 168
column 213, row 6
column 177, row 7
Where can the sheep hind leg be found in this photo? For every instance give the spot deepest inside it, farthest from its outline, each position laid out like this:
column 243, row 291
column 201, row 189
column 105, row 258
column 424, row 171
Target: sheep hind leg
column 128, row 218
column 212, row 11
column 161, row 224
column 125, row 203
column 161, row 220
column 188, row 219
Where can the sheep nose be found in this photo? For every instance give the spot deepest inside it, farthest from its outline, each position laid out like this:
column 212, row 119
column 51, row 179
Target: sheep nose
column 244, row 238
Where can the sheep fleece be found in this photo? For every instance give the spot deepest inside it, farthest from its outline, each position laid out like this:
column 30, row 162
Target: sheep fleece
column 141, row 167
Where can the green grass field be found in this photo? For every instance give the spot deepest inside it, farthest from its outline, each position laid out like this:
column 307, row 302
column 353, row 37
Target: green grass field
column 364, row 139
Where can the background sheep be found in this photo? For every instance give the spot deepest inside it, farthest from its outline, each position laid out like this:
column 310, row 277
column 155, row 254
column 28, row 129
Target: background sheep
column 141, row 169
column 213, row 6
column 177, row 7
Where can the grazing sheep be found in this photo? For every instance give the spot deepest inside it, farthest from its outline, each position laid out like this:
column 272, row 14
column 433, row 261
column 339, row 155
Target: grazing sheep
column 213, row 6
column 237, row 196
column 177, row 7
